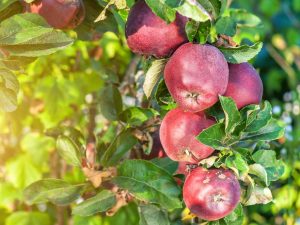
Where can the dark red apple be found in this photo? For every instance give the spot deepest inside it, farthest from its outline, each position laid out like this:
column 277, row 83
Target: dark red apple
column 196, row 75
column 245, row 85
column 147, row 34
column 60, row 14
column 157, row 149
column 178, row 133
column 211, row 194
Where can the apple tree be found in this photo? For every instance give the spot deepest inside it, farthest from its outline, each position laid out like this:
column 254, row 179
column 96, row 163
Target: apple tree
column 153, row 106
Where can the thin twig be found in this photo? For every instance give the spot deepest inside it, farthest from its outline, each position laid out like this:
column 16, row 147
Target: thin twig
column 283, row 64
column 228, row 3
column 130, row 72
column 57, row 172
column 92, row 121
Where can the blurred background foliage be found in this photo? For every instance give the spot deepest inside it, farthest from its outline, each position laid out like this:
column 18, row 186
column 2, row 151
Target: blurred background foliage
column 63, row 89
column 279, row 65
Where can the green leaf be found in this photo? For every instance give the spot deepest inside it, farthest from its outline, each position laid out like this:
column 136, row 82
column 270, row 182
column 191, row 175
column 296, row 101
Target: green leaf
column 203, row 32
column 161, row 9
column 9, row 87
column 91, row 220
column 6, row 3
column 236, row 217
column 166, row 163
column 267, row 158
column 8, row 99
column 149, row 183
column 273, row 167
column 68, row 150
column 110, row 102
column 212, row 6
column 244, row 18
column 272, row 131
column 261, row 119
column 88, row 29
column 259, row 195
column 102, row 15
column 194, row 10
column 237, row 162
column 191, row 29
column 9, row 8
column 209, row 162
column 227, row 26
column 103, row 201
column 28, row 218
column 162, row 94
column 173, row 3
column 75, row 135
column 120, row 4
column 213, row 136
column 232, row 115
column 198, row 31
column 275, row 172
column 153, row 75
column 136, row 116
column 56, row 191
column 242, row 53
column 29, row 35
column 152, row 215
column 15, row 62
column 216, row 112
column 248, row 115
column 118, row 148
column 127, row 215
column 259, row 171
column 254, row 117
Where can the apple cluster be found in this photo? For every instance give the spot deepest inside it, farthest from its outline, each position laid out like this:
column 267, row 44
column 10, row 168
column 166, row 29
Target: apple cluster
column 60, row 14
column 195, row 75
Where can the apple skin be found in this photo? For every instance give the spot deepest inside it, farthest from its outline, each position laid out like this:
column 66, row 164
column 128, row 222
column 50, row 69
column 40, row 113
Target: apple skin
column 211, row 194
column 184, row 168
column 196, row 75
column 149, row 35
column 178, row 133
column 245, row 85
column 157, row 149
column 60, row 14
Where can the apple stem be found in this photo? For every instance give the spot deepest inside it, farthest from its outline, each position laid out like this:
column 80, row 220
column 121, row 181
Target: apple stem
column 189, row 153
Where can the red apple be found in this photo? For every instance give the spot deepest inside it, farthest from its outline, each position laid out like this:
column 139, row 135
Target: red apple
column 196, row 75
column 211, row 194
column 178, row 133
column 60, row 14
column 245, row 85
column 147, row 34
column 185, row 168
